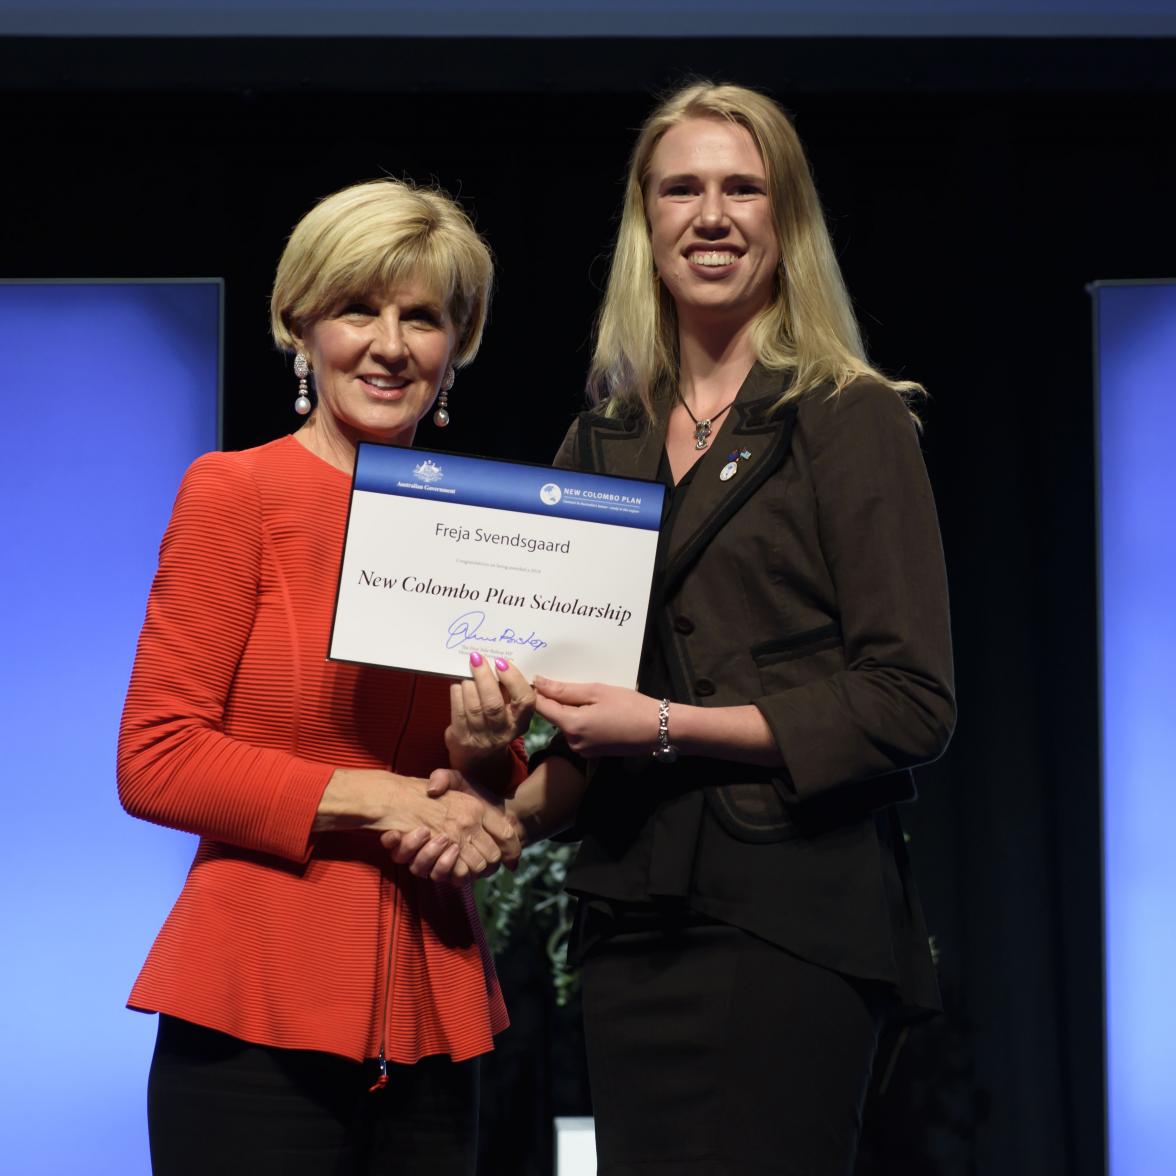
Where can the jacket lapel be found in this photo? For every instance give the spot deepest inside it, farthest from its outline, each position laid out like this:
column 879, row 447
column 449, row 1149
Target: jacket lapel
column 624, row 448
column 711, row 500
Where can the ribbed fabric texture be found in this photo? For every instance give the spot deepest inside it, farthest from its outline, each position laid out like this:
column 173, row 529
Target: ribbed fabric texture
column 234, row 722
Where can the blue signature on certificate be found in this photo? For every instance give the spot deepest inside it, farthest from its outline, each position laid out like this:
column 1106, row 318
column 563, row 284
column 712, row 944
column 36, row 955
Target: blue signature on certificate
column 470, row 627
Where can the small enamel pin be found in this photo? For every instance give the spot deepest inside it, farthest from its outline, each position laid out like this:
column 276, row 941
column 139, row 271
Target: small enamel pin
column 732, row 467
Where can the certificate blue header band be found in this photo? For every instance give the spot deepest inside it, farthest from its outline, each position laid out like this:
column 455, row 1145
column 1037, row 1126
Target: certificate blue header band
column 506, row 485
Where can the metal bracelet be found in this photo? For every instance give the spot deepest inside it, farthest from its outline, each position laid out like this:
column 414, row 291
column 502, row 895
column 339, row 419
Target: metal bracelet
column 665, row 752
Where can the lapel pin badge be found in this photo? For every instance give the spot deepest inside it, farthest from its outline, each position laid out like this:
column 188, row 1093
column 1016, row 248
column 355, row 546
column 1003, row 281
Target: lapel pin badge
column 732, row 467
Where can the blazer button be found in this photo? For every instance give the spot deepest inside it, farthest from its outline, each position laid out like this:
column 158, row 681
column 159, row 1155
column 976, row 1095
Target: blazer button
column 683, row 625
column 704, row 687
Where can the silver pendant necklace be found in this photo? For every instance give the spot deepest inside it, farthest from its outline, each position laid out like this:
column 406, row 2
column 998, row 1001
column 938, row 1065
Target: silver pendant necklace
column 702, row 429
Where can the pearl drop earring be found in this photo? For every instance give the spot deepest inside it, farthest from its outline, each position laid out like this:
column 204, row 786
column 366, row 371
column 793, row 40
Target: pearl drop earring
column 301, row 370
column 441, row 416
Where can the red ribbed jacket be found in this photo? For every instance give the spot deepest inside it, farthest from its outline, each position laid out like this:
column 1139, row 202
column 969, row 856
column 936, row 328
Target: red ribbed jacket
column 234, row 722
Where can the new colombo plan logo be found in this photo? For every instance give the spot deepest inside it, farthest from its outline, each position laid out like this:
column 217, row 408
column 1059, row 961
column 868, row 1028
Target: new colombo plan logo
column 550, row 493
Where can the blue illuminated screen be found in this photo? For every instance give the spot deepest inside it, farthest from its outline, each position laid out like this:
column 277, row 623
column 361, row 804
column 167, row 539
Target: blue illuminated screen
column 601, row 18
column 110, row 391
column 1136, row 342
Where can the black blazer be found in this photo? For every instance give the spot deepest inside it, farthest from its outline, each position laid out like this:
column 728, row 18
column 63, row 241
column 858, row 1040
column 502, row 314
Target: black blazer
column 811, row 584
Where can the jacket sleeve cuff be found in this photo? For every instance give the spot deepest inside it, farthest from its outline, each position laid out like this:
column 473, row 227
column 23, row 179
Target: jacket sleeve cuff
column 289, row 824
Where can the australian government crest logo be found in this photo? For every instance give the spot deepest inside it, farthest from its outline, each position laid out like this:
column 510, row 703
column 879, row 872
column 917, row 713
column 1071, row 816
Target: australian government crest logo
column 428, row 471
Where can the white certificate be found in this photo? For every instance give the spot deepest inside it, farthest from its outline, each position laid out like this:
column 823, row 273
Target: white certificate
column 446, row 554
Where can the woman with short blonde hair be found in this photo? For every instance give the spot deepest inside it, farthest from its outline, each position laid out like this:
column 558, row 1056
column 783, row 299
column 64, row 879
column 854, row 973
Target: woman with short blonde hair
column 323, row 1006
column 369, row 237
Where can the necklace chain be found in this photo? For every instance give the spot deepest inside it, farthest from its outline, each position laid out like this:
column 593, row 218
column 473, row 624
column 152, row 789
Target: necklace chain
column 703, row 428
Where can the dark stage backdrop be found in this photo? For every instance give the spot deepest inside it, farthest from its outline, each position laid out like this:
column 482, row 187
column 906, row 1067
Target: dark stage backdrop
column 973, row 189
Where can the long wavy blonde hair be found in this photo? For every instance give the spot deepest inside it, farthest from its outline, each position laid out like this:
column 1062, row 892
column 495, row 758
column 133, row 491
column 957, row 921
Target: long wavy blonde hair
column 808, row 328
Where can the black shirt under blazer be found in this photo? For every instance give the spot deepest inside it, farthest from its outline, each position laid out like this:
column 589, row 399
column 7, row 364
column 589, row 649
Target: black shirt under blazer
column 811, row 584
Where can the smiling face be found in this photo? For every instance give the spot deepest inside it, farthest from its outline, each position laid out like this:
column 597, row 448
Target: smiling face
column 378, row 362
column 710, row 220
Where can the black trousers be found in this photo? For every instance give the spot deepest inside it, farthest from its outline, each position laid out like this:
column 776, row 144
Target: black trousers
column 714, row 1053
column 216, row 1104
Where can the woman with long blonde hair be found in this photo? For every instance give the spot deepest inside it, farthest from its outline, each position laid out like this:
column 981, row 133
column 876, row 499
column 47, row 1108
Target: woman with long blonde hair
column 747, row 918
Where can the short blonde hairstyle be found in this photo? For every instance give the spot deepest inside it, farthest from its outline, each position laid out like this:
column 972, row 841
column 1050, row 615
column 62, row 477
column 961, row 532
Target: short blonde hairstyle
column 368, row 238
column 808, row 328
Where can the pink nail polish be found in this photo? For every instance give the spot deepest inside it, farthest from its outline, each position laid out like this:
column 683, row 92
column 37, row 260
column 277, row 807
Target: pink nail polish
column 475, row 659
column 500, row 663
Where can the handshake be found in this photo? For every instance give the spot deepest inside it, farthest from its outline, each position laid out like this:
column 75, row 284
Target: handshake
column 452, row 827
column 464, row 832
column 458, row 825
